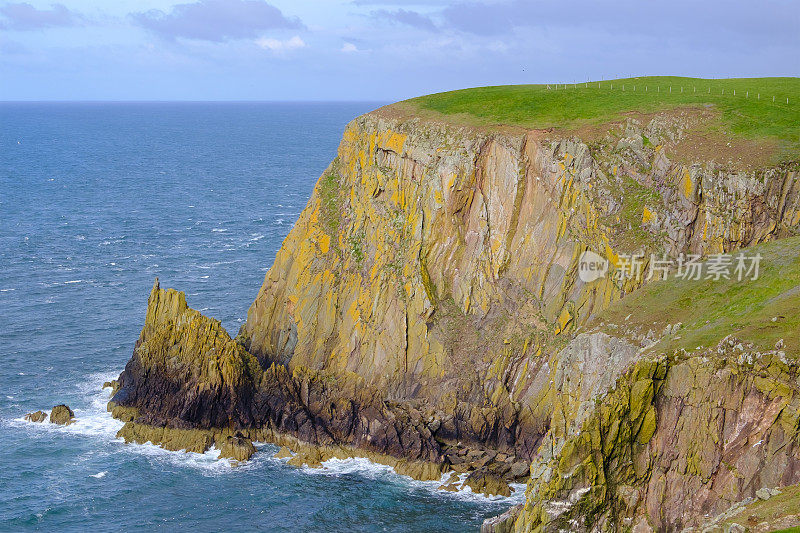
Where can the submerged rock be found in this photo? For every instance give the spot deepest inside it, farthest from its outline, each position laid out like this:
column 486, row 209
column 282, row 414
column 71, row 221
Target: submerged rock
column 38, row 416
column 451, row 484
column 62, row 415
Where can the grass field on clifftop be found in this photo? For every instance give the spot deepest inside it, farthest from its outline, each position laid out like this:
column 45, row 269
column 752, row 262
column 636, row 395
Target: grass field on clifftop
column 749, row 112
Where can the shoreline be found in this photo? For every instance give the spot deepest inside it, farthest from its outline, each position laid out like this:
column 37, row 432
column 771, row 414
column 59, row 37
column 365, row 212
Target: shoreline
column 335, row 461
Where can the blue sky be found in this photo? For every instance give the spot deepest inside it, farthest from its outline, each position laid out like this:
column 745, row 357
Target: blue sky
column 375, row 49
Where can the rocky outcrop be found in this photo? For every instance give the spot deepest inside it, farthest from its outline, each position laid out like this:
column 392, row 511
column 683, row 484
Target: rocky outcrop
column 113, row 385
column 188, row 381
column 237, row 447
column 38, row 416
column 675, row 439
column 503, row 523
column 62, row 415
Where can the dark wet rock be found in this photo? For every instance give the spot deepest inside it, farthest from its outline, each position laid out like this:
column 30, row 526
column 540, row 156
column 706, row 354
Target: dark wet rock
column 189, row 440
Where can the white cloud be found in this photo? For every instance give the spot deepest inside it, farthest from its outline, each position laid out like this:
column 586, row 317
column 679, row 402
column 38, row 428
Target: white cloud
column 349, row 48
column 278, row 46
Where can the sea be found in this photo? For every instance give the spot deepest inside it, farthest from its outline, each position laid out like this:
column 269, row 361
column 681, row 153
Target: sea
column 96, row 200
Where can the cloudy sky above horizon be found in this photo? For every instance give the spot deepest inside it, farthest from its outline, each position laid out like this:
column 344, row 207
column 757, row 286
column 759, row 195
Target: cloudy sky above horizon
column 379, row 50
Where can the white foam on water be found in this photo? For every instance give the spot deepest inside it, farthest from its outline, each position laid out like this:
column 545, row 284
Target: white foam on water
column 99, row 475
column 367, row 469
column 7, row 290
column 208, row 462
column 95, row 421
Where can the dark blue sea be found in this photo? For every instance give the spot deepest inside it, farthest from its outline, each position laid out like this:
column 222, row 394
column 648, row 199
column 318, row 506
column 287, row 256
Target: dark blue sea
column 96, row 200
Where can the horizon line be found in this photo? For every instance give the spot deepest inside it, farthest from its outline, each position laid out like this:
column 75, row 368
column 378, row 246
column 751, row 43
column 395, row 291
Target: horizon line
column 143, row 101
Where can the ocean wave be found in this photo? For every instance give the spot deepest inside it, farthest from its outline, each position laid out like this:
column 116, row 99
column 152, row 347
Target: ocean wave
column 375, row 471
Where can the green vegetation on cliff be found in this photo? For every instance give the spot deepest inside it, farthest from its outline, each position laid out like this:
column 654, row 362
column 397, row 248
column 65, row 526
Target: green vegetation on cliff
column 746, row 104
column 761, row 311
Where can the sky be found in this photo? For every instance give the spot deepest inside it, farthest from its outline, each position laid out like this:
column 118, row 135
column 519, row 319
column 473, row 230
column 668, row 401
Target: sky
column 376, row 50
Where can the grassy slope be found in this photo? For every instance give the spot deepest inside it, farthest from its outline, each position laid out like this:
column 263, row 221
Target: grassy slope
column 536, row 106
column 709, row 310
column 770, row 510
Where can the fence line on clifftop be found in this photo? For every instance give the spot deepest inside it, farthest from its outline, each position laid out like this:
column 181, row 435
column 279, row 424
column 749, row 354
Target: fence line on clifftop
column 588, row 85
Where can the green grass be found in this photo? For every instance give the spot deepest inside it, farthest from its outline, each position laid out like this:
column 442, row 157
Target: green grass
column 329, row 204
column 709, row 310
column 536, row 106
column 770, row 511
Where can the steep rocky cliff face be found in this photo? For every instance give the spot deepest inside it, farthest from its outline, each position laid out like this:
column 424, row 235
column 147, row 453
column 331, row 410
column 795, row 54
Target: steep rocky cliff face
column 427, row 307
column 439, row 263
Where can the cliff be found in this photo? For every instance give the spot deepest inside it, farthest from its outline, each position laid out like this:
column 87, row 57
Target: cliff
column 427, row 310
column 439, row 263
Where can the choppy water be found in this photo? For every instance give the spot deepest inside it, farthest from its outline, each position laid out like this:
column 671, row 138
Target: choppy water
column 95, row 201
